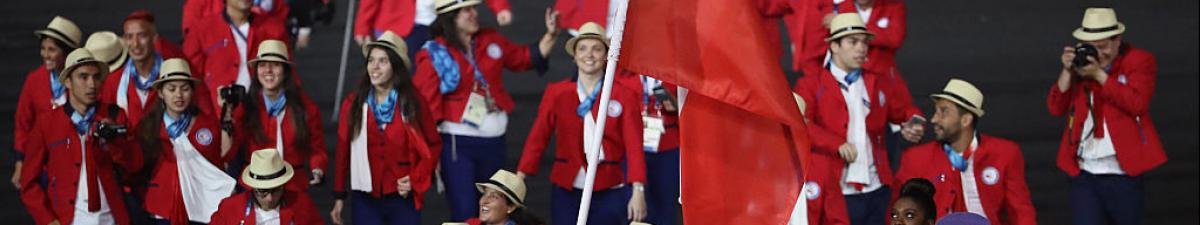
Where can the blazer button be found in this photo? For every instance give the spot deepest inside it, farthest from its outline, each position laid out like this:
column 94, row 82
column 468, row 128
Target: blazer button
column 76, row 164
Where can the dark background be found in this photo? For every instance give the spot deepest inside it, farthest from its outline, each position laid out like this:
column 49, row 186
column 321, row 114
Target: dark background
column 1009, row 49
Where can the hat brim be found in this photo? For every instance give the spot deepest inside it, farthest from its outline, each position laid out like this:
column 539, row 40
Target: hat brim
column 67, row 71
column 570, row 47
column 158, row 83
column 1089, row 36
column 51, row 34
column 848, row 33
column 268, row 184
column 978, row 112
column 254, row 62
column 120, row 61
column 459, row 5
column 513, row 199
column 366, row 50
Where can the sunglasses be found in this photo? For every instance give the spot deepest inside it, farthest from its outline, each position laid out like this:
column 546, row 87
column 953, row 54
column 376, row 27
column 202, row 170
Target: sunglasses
column 263, row 192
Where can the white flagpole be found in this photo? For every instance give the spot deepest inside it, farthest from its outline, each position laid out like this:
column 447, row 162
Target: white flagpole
column 337, row 97
column 592, row 149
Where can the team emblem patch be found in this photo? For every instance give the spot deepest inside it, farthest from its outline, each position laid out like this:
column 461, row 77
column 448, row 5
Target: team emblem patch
column 1121, row 79
column 204, row 136
column 882, row 98
column 991, row 175
column 941, row 178
column 883, row 23
column 812, row 190
column 614, row 108
column 494, row 51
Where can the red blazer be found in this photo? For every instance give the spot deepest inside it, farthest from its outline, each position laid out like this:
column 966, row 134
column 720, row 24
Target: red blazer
column 54, row 149
column 888, row 22
column 195, row 11
column 828, row 119
column 574, row 13
column 1124, row 100
column 397, row 16
column 669, row 140
column 397, row 151
column 297, row 209
column 36, row 99
column 823, row 191
column 303, row 158
column 493, row 53
column 807, row 33
column 999, row 177
column 205, row 135
column 212, row 51
column 622, row 138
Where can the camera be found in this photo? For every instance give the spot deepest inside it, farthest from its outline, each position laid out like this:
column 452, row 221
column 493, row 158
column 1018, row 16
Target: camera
column 668, row 101
column 233, row 94
column 1082, row 51
column 108, row 131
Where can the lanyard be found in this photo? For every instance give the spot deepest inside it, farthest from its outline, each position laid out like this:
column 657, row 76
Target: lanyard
column 649, row 84
column 236, row 31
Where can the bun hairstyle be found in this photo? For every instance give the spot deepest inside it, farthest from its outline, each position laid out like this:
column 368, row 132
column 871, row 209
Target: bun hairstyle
column 920, row 191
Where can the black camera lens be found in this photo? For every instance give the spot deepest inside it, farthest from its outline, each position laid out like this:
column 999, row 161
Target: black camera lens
column 1082, row 52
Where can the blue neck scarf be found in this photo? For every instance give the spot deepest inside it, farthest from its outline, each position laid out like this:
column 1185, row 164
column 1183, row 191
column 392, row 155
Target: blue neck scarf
column 447, row 68
column 176, row 127
column 132, row 70
column 853, row 76
column 956, row 159
column 56, row 88
column 384, row 111
column 82, row 122
column 274, row 107
column 585, row 106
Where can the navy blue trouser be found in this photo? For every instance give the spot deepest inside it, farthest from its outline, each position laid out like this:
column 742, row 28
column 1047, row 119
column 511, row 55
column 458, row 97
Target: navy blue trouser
column 475, row 160
column 662, row 188
column 609, row 207
column 868, row 208
column 1106, row 199
column 389, row 209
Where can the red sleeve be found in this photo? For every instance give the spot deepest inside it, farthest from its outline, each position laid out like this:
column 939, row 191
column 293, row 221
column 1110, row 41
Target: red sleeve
column 1130, row 89
column 193, row 49
column 23, row 121
column 631, row 128
column 32, row 192
column 342, row 149
column 426, row 81
column 539, row 135
column 566, row 13
column 305, row 211
column 108, row 91
column 318, row 157
column 773, row 8
column 498, row 5
column 368, row 10
column 823, row 140
column 193, row 12
column 521, row 57
column 1016, row 195
column 167, row 49
column 1059, row 101
column 892, row 35
column 422, row 176
column 229, row 211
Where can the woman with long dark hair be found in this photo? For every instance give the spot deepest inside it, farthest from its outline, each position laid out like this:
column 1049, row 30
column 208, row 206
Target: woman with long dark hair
column 279, row 115
column 181, row 147
column 459, row 73
column 387, row 141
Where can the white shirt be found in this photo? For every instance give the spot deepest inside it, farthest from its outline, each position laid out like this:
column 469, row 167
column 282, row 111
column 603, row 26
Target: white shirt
column 360, row 162
column 969, row 186
column 589, row 134
column 865, row 14
column 279, row 132
column 862, row 170
column 82, row 215
column 494, row 125
column 425, row 13
column 1097, row 155
column 264, row 217
column 243, row 75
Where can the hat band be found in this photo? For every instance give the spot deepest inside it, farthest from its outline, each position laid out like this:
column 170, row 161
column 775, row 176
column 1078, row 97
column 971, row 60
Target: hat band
column 85, row 59
column 447, row 6
column 172, row 74
column 1102, row 29
column 960, row 99
column 505, row 190
column 64, row 36
column 278, row 174
column 114, row 60
column 847, row 29
column 281, row 56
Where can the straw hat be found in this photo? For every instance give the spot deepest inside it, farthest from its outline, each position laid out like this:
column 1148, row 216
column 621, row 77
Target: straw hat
column 588, row 30
column 444, row 6
column 79, row 57
column 964, row 94
column 392, row 42
column 509, row 184
column 1098, row 23
column 174, row 69
column 267, row 170
column 846, row 24
column 63, row 30
column 106, row 46
column 271, row 51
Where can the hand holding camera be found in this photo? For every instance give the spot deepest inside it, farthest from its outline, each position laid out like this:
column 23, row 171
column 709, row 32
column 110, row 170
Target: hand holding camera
column 106, row 130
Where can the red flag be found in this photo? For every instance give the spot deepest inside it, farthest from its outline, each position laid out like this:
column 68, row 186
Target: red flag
column 742, row 136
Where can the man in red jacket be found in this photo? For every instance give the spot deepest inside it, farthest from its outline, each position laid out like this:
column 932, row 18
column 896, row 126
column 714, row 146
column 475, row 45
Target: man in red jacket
column 1104, row 89
column 972, row 172
column 218, row 48
column 268, row 202
column 77, row 147
column 847, row 112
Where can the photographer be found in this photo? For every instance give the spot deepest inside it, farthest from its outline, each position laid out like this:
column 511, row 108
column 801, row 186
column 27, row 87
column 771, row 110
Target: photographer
column 1104, row 89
